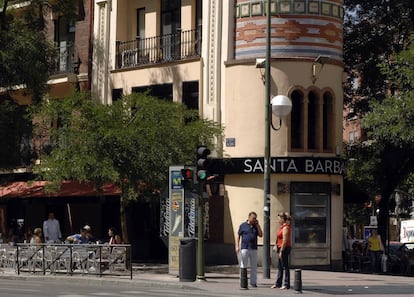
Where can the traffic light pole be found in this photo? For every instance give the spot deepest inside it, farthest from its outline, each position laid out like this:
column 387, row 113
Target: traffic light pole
column 200, row 233
column 202, row 153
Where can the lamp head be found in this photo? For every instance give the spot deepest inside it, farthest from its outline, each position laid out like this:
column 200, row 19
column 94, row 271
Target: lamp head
column 281, row 105
column 321, row 59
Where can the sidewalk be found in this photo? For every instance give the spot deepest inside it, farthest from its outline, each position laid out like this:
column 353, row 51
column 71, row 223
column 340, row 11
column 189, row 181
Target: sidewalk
column 225, row 280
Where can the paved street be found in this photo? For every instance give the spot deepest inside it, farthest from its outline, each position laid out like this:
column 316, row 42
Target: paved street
column 154, row 280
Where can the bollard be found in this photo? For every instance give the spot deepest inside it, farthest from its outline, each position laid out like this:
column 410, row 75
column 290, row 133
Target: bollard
column 297, row 286
column 243, row 278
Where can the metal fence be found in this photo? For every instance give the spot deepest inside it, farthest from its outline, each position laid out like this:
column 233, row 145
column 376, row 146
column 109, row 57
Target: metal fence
column 64, row 62
column 159, row 49
column 95, row 259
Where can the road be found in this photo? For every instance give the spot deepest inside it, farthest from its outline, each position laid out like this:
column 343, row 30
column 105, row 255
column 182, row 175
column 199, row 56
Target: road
column 76, row 288
column 315, row 284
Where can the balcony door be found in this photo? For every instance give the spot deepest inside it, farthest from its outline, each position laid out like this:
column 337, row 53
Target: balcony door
column 170, row 29
column 64, row 39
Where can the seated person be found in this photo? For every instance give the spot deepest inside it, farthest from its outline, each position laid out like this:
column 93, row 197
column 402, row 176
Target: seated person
column 81, row 238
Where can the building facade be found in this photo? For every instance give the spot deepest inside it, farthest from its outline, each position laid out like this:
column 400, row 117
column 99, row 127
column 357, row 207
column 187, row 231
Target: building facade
column 203, row 54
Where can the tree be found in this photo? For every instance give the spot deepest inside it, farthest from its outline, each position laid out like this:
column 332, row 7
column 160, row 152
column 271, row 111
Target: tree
column 374, row 32
column 386, row 161
column 26, row 56
column 131, row 143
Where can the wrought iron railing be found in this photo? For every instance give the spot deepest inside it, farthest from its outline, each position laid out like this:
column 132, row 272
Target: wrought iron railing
column 64, row 62
column 159, row 49
column 96, row 259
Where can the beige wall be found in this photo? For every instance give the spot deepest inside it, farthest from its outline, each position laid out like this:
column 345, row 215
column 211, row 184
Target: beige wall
column 244, row 193
column 234, row 94
column 244, row 104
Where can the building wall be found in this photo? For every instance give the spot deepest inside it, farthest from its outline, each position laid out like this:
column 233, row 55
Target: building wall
column 232, row 92
column 297, row 40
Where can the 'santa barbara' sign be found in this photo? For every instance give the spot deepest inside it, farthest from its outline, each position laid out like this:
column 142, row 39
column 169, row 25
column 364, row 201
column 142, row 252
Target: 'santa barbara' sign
column 288, row 165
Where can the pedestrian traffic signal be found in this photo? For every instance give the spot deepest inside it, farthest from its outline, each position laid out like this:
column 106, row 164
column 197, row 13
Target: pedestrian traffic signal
column 187, row 176
column 202, row 162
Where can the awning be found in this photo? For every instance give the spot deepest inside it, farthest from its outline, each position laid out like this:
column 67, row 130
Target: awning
column 21, row 189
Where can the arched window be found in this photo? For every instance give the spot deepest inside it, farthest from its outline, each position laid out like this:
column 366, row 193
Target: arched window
column 328, row 122
column 312, row 127
column 312, row 121
column 297, row 121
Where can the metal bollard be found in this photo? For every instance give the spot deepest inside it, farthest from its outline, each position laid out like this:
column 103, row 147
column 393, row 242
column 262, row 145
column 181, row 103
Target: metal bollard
column 297, row 286
column 243, row 278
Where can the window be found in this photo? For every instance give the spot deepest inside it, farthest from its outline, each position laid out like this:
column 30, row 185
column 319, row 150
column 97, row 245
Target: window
column 310, row 209
column 190, row 94
column 312, row 126
column 116, row 94
column 353, row 137
column 170, row 25
column 161, row 91
column 296, row 119
column 313, row 118
column 328, row 122
column 64, row 39
column 141, row 23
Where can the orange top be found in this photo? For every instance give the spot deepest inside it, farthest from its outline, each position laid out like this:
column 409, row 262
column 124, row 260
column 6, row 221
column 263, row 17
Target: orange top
column 279, row 236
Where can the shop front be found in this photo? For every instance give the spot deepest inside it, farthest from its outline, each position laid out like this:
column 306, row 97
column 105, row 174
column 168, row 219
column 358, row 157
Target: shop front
column 308, row 188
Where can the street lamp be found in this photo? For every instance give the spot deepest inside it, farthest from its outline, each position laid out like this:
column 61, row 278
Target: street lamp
column 281, row 107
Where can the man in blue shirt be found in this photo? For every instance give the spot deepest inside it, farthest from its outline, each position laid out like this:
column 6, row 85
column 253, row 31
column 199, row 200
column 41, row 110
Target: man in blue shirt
column 248, row 232
column 81, row 238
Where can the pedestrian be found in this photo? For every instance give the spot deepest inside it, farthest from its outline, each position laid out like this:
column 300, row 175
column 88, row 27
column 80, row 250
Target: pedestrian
column 246, row 244
column 81, row 237
column 282, row 248
column 114, row 237
column 51, row 229
column 375, row 249
column 37, row 236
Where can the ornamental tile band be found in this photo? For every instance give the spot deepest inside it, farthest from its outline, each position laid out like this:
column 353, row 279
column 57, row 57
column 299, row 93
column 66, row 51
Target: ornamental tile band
column 299, row 28
column 247, row 9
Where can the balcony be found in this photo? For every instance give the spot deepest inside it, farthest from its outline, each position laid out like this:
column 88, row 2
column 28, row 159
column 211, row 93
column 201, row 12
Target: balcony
column 64, row 63
column 177, row 46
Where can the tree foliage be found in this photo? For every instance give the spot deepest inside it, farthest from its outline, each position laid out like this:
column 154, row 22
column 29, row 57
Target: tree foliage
column 26, row 56
column 131, row 143
column 15, row 132
column 374, row 32
column 385, row 162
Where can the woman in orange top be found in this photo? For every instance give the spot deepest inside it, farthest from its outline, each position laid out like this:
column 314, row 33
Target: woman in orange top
column 282, row 247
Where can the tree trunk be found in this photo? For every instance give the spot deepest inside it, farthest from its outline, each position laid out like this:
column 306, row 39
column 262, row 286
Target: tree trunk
column 122, row 211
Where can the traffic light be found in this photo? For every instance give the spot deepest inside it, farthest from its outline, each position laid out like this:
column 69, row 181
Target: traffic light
column 187, row 176
column 202, row 162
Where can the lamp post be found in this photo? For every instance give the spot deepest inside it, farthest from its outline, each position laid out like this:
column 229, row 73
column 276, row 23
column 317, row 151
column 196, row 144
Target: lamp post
column 281, row 107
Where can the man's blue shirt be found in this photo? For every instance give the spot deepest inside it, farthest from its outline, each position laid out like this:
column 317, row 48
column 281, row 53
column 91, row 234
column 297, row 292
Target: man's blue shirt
column 248, row 234
column 80, row 239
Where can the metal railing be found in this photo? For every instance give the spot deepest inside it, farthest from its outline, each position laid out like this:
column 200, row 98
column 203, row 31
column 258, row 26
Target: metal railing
column 159, row 49
column 64, row 62
column 95, row 259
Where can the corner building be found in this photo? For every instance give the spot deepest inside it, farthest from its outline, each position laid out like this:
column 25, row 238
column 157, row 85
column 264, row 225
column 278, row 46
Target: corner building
column 203, row 54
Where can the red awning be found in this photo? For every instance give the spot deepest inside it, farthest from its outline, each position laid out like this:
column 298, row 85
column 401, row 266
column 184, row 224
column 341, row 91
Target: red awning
column 67, row 189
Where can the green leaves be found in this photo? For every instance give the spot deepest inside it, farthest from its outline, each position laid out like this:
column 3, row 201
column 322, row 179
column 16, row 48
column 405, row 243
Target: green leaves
column 131, row 143
column 385, row 161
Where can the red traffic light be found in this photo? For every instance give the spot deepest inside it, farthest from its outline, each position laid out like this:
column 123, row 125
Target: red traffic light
column 187, row 174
